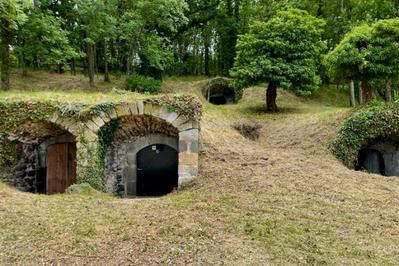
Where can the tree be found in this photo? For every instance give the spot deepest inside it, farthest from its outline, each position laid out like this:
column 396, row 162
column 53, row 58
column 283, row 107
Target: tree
column 144, row 31
column 284, row 51
column 348, row 60
column 11, row 17
column 369, row 53
column 41, row 40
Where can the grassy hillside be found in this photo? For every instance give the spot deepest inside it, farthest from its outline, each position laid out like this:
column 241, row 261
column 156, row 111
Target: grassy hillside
column 283, row 199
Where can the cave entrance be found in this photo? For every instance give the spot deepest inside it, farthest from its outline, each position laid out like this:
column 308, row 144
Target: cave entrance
column 60, row 172
column 220, row 96
column 372, row 161
column 157, row 170
column 219, row 92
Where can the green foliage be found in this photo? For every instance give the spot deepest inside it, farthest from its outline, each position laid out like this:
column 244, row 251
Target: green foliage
column 348, row 60
column 286, row 50
column 223, row 84
column 12, row 11
column 143, row 84
column 379, row 120
column 184, row 105
column 105, row 138
column 367, row 53
column 42, row 38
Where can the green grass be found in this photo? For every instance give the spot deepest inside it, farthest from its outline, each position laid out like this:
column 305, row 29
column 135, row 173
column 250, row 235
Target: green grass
column 280, row 200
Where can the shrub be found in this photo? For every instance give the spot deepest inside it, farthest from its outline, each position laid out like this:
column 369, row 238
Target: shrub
column 377, row 121
column 143, row 84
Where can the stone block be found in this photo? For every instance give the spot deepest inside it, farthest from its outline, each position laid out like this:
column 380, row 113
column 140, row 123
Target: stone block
column 54, row 117
column 194, row 146
column 186, row 126
column 165, row 114
column 133, row 108
column 123, row 109
column 98, row 121
column 140, row 107
column 180, row 120
column 188, row 159
column 191, row 135
column 92, row 126
column 183, row 146
column 150, row 109
column 112, row 114
column 90, row 135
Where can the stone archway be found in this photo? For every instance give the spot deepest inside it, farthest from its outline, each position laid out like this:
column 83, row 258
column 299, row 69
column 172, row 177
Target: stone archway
column 142, row 126
column 48, row 160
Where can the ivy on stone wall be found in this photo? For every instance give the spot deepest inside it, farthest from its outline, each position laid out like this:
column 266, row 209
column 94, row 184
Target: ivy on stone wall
column 105, row 139
column 91, row 154
column 185, row 105
column 376, row 121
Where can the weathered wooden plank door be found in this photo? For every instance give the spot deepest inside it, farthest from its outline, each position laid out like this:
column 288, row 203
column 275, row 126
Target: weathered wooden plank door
column 61, row 167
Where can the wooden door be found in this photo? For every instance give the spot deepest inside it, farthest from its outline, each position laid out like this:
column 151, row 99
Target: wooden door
column 61, row 167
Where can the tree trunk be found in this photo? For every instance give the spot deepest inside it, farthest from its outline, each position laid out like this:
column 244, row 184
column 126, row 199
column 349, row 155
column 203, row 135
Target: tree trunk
column 23, row 65
column 129, row 63
column 95, row 59
column 206, row 59
column 352, row 94
column 73, row 66
column 106, row 70
column 388, row 91
column 90, row 61
column 360, row 93
column 5, row 37
column 367, row 92
column 271, row 97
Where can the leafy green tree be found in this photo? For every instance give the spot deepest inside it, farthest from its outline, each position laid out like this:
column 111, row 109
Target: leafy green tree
column 144, row 30
column 97, row 22
column 12, row 15
column 369, row 54
column 43, row 41
column 284, row 51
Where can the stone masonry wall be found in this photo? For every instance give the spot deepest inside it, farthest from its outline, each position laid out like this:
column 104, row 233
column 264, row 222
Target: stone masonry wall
column 85, row 133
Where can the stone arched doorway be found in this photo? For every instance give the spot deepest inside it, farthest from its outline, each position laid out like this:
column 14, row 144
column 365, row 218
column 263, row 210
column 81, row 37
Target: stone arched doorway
column 157, row 170
column 48, row 160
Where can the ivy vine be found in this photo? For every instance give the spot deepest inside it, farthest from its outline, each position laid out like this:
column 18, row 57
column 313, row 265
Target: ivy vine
column 357, row 132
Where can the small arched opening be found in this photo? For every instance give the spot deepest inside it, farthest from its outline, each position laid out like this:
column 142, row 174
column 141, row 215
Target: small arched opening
column 157, row 170
column 142, row 156
column 219, row 92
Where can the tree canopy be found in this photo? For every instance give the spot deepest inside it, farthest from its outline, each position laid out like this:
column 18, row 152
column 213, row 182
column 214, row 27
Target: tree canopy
column 283, row 51
column 369, row 53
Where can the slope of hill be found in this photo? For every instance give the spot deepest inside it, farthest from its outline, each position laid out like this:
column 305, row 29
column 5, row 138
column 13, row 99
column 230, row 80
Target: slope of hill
column 283, row 199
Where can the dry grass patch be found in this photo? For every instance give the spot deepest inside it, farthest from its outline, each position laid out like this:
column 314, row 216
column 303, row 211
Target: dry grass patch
column 280, row 200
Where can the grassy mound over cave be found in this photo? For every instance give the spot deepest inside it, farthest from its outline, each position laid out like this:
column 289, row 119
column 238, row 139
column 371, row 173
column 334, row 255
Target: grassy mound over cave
column 378, row 121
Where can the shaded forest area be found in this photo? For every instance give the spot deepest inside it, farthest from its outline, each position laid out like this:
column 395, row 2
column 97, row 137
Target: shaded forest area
column 154, row 38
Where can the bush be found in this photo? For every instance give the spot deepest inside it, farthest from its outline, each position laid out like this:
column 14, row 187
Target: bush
column 143, row 84
column 376, row 121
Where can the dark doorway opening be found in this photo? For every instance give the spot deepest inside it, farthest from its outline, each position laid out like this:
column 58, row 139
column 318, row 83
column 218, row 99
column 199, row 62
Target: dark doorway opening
column 60, row 171
column 221, row 97
column 372, row 161
column 157, row 170
column 219, row 91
